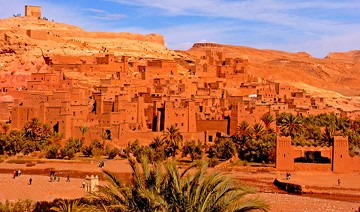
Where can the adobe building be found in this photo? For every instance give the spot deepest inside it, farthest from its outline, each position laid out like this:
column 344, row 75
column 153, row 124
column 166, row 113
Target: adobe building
column 33, row 11
column 335, row 158
column 141, row 98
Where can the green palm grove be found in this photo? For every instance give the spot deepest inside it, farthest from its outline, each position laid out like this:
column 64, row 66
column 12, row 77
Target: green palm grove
column 162, row 187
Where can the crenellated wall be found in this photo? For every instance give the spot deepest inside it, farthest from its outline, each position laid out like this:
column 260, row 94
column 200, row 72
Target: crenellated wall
column 341, row 161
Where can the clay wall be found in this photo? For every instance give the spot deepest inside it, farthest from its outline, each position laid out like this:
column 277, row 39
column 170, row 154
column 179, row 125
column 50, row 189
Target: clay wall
column 182, row 116
column 238, row 78
column 33, row 11
column 52, row 115
column 37, row 34
column 312, row 167
column 216, row 125
column 341, row 162
column 284, row 154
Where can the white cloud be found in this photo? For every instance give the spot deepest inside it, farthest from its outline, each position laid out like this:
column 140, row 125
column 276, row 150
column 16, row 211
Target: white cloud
column 94, row 10
column 110, row 16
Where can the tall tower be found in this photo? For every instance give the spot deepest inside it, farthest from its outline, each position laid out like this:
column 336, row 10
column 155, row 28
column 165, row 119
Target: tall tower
column 340, row 159
column 284, row 154
column 33, row 11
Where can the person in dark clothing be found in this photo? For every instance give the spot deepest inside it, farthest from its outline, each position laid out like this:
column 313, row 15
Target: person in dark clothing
column 30, row 181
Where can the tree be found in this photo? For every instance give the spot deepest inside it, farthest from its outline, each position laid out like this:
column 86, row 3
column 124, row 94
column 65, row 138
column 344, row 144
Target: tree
column 291, row 125
column 83, row 130
column 52, row 151
column 6, row 128
column 158, row 145
column 173, row 139
column 72, row 146
column 162, row 187
column 223, row 148
column 15, row 142
column 267, row 118
column 195, row 150
column 68, row 206
column 258, row 131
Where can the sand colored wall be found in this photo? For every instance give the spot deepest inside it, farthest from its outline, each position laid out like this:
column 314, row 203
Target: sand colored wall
column 341, row 162
column 33, row 11
column 284, row 154
column 218, row 125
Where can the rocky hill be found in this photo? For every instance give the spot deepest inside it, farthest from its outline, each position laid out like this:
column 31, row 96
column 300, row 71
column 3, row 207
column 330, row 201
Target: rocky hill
column 23, row 40
column 338, row 72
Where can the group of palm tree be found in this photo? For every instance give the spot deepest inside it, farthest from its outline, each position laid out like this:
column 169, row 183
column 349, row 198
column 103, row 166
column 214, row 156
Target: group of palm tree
column 163, row 187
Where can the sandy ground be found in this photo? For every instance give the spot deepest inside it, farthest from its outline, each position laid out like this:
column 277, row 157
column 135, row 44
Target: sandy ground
column 320, row 182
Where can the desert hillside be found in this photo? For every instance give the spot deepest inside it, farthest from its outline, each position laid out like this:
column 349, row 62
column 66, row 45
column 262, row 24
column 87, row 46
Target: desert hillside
column 337, row 72
column 23, row 40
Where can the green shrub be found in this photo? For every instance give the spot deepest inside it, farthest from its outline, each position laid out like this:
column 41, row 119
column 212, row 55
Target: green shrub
column 52, row 151
column 111, row 153
column 20, row 205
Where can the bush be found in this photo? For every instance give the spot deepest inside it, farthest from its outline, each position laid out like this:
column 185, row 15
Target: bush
column 224, row 148
column 52, row 151
column 20, row 205
column 87, row 151
column 111, row 153
column 67, row 152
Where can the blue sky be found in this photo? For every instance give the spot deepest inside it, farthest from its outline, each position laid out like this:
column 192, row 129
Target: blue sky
column 314, row 26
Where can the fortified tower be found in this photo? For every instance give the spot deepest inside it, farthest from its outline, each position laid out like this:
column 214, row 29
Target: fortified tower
column 341, row 159
column 33, row 11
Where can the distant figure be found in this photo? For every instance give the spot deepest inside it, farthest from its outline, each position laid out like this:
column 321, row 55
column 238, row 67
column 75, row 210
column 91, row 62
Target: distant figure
column 14, row 174
column 68, row 178
column 83, row 184
column 54, row 177
column 30, row 181
column 101, row 164
column 19, row 172
column 58, row 178
column 339, row 182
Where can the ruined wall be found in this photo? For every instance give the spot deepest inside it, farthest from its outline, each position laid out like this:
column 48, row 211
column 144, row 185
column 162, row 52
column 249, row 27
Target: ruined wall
column 33, row 11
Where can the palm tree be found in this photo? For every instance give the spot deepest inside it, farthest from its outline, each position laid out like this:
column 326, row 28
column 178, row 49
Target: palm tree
column 267, row 118
column 258, row 131
column 173, row 139
column 6, row 128
column 68, row 206
column 328, row 136
column 242, row 129
column 291, row 125
column 83, row 130
column 157, row 142
column 162, row 187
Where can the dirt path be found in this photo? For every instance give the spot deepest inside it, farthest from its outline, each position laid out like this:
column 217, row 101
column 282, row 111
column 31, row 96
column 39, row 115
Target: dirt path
column 42, row 189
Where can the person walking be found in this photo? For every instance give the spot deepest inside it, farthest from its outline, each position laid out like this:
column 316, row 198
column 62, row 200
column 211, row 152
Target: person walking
column 68, row 178
column 30, row 181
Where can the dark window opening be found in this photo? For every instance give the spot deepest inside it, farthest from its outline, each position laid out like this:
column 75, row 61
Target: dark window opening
column 312, row 157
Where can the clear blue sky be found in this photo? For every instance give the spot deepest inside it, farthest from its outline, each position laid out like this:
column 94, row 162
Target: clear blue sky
column 314, row 26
